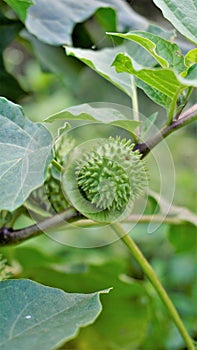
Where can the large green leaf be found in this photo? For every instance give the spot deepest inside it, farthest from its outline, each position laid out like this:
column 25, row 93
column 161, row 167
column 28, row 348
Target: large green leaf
column 191, row 77
column 35, row 316
column 53, row 21
column 182, row 14
column 167, row 54
column 163, row 80
column 24, row 154
column 20, row 7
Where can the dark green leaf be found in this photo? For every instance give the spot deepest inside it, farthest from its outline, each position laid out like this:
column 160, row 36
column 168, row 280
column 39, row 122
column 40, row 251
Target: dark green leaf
column 42, row 317
column 24, row 154
column 9, row 86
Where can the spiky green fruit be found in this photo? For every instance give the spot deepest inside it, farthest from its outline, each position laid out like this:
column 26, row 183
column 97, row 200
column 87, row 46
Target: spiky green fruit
column 104, row 182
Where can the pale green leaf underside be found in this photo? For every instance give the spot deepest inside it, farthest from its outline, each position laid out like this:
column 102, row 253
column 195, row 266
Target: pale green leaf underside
column 39, row 317
column 24, row 154
column 93, row 112
column 182, row 14
column 53, row 21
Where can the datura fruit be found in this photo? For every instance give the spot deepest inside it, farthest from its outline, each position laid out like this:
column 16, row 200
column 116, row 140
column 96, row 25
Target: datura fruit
column 102, row 179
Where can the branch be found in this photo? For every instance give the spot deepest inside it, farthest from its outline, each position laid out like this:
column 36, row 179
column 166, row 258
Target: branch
column 184, row 118
column 10, row 236
column 135, row 218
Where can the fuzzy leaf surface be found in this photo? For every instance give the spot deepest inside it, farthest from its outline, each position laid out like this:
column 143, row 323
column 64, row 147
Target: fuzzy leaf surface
column 25, row 152
column 42, row 317
column 182, row 14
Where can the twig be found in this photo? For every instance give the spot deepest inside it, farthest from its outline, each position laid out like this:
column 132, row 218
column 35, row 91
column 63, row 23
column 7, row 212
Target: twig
column 184, row 118
column 10, row 236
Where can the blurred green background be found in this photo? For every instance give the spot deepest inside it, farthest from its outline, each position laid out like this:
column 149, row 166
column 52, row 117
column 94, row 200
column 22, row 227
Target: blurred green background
column 133, row 316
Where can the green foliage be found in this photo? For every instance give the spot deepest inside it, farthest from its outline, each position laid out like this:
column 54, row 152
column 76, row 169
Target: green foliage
column 67, row 15
column 20, row 7
column 163, row 80
column 165, row 53
column 9, row 86
column 99, row 51
column 53, row 309
column 178, row 12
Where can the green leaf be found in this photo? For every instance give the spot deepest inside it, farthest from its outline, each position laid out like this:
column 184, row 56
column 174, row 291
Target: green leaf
column 101, row 62
column 20, row 7
column 165, row 34
column 191, row 77
column 89, row 112
column 155, row 95
column 129, row 125
column 67, row 13
column 191, row 57
column 167, row 54
column 163, row 80
column 125, row 318
column 24, row 154
column 9, row 86
column 182, row 14
column 144, row 42
column 35, row 316
column 40, row 18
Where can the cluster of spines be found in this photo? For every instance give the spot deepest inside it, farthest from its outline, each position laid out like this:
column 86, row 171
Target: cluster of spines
column 111, row 174
column 50, row 197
